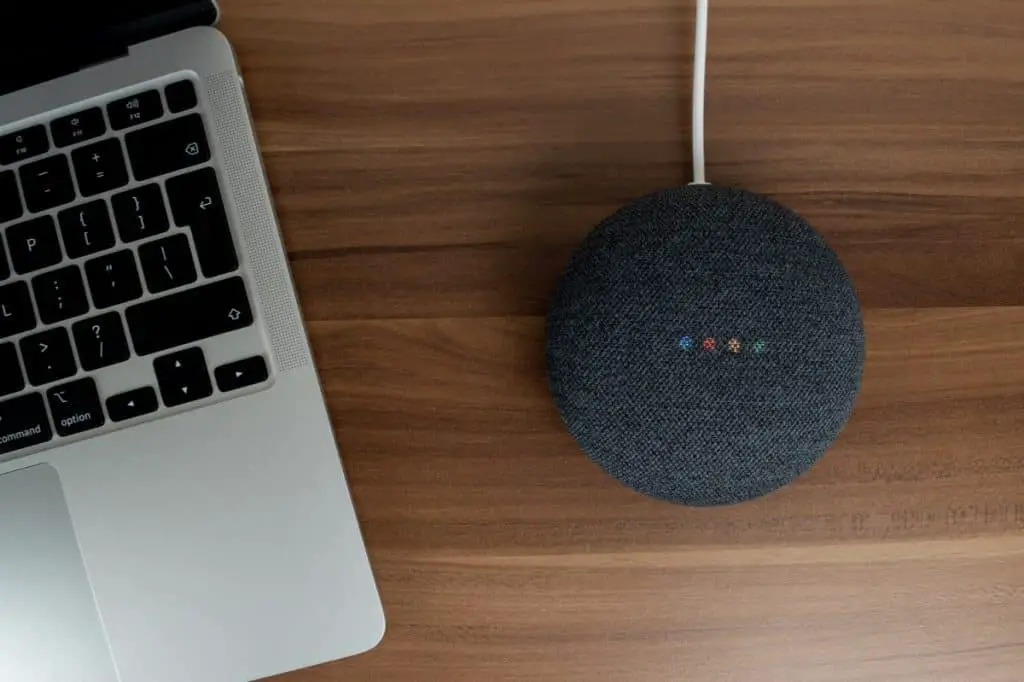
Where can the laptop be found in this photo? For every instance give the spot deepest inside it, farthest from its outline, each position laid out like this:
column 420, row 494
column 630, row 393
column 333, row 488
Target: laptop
column 172, row 503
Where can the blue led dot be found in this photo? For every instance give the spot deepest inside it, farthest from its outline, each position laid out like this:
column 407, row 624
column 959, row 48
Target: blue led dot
column 686, row 343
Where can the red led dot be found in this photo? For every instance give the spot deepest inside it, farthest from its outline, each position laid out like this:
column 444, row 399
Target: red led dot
column 710, row 344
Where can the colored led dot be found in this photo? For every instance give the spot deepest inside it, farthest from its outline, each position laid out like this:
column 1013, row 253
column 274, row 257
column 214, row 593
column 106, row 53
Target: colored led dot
column 686, row 343
column 734, row 345
column 710, row 344
column 759, row 346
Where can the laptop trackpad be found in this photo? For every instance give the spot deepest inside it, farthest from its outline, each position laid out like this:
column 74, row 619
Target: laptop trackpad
column 49, row 627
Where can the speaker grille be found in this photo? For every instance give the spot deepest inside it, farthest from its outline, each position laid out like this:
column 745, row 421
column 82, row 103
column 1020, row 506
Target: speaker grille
column 243, row 171
column 705, row 345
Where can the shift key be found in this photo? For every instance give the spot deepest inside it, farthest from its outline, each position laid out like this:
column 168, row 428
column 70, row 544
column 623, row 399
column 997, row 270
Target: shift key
column 189, row 316
column 23, row 423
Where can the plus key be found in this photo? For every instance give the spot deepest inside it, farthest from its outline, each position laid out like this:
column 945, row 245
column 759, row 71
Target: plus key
column 100, row 167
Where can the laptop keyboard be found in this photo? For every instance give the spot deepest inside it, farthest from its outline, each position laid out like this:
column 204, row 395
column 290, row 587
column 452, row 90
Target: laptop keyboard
column 116, row 248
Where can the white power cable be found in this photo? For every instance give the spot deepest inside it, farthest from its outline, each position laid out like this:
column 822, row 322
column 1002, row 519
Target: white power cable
column 700, row 67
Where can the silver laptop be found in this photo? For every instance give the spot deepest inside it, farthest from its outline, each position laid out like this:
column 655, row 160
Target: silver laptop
column 172, row 504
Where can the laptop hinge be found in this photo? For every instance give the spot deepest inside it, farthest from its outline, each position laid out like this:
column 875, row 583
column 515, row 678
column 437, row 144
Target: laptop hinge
column 27, row 65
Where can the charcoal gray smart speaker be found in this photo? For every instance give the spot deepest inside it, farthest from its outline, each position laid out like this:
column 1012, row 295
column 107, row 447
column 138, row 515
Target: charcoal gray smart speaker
column 704, row 345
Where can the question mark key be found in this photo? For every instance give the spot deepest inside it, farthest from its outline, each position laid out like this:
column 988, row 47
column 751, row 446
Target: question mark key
column 101, row 341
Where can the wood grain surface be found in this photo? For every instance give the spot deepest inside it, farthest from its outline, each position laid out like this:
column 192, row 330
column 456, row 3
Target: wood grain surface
column 434, row 162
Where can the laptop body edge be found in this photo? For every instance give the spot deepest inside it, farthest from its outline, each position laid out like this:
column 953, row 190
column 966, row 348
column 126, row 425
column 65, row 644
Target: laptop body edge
column 220, row 542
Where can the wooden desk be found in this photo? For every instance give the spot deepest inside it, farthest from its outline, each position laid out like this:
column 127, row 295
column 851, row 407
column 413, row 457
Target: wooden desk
column 434, row 163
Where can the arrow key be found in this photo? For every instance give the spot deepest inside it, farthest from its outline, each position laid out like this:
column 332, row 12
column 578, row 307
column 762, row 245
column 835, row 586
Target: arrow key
column 237, row 375
column 132, row 404
column 183, row 377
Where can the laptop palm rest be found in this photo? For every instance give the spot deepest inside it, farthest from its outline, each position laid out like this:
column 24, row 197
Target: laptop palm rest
column 50, row 630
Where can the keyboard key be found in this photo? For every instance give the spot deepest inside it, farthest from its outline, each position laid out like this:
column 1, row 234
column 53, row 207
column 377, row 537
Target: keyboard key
column 60, row 295
column 33, row 244
column 23, row 423
column 113, row 279
column 86, row 229
column 181, row 96
column 47, row 183
column 135, row 110
column 193, row 195
column 78, row 127
column 168, row 147
column 76, row 407
column 196, row 201
column 10, row 200
column 167, row 263
column 183, row 377
column 140, row 213
column 100, row 341
column 5, row 269
column 23, row 144
column 189, row 316
column 11, row 379
column 237, row 375
column 48, row 356
column 16, row 313
column 99, row 167
column 132, row 404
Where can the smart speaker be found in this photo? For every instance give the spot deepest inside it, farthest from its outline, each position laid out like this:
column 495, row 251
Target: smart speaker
column 704, row 345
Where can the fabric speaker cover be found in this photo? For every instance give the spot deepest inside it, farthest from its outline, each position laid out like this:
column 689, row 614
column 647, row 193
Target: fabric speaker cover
column 705, row 345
